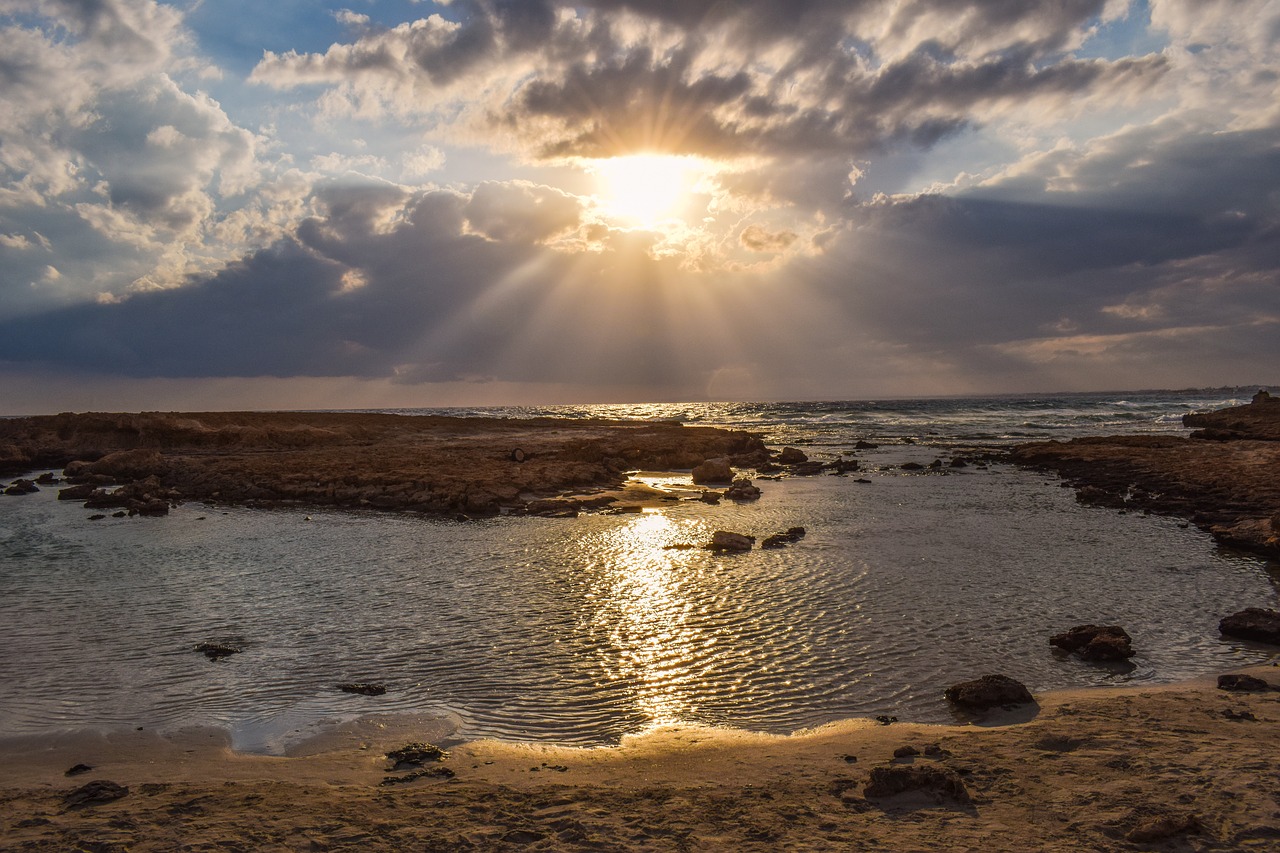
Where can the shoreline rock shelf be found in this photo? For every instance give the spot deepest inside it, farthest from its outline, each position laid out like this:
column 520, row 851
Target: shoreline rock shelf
column 346, row 460
column 1222, row 477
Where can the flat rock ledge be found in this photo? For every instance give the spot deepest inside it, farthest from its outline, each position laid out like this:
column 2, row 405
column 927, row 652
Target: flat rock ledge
column 1221, row 477
column 437, row 465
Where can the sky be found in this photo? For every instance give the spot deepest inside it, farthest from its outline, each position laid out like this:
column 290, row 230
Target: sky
column 230, row 204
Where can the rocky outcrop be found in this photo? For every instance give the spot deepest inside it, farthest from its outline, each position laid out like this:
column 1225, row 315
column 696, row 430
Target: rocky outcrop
column 742, row 490
column 894, row 779
column 1226, row 486
column 436, row 465
column 1241, row 683
column 1253, row 623
column 1095, row 642
column 989, row 691
column 22, row 487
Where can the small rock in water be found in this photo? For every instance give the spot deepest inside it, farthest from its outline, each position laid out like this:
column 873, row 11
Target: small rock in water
column 724, row 540
column 792, row 456
column 22, row 487
column 97, row 516
column 215, row 651
column 1240, row 683
column 742, row 490
column 1095, row 642
column 363, row 689
column 710, row 497
column 77, row 769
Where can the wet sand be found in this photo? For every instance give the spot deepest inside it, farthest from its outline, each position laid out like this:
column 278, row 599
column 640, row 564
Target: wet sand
column 1184, row 767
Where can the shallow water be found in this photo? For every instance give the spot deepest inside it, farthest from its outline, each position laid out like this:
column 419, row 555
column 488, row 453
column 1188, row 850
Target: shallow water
column 583, row 630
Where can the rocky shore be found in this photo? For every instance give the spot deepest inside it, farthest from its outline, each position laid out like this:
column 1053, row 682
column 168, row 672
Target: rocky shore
column 1223, row 477
column 440, row 465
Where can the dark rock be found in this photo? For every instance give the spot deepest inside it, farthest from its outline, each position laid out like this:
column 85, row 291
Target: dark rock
column 899, row 779
column 807, row 469
column 1240, row 683
column 120, row 514
column 97, row 516
column 885, row 719
column 77, row 770
column 518, row 455
column 767, row 468
column 937, row 463
column 22, row 487
column 1253, row 623
column 363, row 689
column 912, row 466
column 724, row 540
column 713, row 471
column 933, row 750
column 843, row 466
column 906, row 752
column 153, row 508
column 742, row 490
column 792, row 456
column 48, row 478
column 94, row 793
column 959, row 462
column 989, row 691
column 865, row 445
column 1095, row 642
column 1239, row 716
column 710, row 497
column 1263, row 396
column 415, row 755
column 214, row 651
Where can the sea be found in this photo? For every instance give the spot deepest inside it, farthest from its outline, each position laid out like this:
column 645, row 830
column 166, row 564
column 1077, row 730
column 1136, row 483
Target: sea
column 584, row 631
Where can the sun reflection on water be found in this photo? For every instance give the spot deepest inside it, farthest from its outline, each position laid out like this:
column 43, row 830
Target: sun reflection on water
column 645, row 611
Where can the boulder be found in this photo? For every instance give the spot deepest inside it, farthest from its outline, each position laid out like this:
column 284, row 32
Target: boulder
column 713, row 471
column 844, row 466
column 76, row 493
column 48, row 478
column 989, row 691
column 1253, row 623
column 792, row 456
column 1095, row 642
column 724, row 540
column 865, row 445
column 742, row 490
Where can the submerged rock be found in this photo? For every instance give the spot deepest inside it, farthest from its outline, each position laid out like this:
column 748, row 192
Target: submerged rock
column 363, row 689
column 215, row 651
column 780, row 540
column 1253, row 623
column 1095, row 642
column 989, row 691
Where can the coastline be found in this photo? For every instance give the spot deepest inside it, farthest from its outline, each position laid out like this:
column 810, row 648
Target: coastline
column 1178, row 766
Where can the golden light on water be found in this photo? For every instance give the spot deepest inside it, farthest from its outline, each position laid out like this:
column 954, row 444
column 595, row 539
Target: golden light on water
column 646, row 189
column 647, row 616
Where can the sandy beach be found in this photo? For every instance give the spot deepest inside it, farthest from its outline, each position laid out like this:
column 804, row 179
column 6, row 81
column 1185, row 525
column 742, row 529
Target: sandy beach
column 1184, row 767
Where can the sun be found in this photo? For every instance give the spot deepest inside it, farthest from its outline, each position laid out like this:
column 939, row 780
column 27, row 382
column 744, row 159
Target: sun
column 645, row 189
